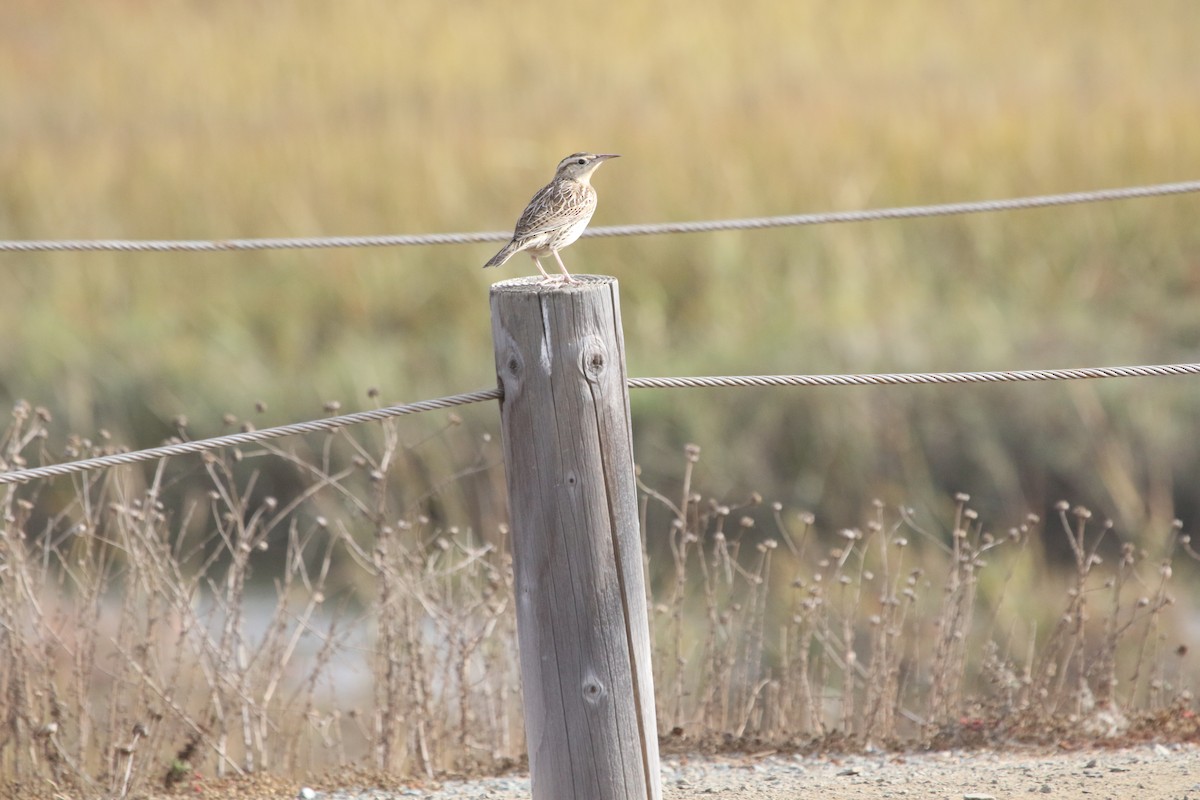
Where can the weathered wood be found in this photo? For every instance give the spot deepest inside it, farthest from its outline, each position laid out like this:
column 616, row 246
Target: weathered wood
column 582, row 627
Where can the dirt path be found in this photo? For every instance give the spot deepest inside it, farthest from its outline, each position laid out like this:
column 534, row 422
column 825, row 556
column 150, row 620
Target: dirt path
column 1144, row 773
column 1148, row 772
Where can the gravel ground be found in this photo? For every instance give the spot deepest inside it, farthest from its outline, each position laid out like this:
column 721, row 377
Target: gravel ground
column 1150, row 772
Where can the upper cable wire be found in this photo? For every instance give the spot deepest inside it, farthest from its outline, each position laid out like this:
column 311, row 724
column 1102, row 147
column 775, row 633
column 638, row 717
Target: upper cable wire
column 646, row 229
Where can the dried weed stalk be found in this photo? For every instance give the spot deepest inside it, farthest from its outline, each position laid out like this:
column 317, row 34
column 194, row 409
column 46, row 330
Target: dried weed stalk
column 314, row 604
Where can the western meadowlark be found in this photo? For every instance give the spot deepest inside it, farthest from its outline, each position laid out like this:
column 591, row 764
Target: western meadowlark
column 556, row 215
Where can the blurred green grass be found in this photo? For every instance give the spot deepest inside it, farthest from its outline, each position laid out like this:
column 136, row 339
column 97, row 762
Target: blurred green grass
column 185, row 120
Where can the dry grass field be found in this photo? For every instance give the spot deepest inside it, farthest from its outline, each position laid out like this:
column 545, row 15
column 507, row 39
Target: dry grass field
column 243, row 610
column 154, row 642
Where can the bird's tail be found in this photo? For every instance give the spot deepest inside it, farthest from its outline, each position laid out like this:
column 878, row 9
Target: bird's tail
column 505, row 254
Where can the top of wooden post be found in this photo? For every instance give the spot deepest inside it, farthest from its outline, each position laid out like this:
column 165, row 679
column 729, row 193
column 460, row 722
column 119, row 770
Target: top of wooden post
column 536, row 284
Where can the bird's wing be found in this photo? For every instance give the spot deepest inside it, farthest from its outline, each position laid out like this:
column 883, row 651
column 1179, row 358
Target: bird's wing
column 555, row 205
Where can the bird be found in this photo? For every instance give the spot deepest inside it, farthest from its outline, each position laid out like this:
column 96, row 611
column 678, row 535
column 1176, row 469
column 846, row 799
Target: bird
column 556, row 216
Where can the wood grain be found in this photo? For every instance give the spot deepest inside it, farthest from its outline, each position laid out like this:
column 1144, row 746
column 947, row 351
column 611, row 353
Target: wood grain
column 581, row 602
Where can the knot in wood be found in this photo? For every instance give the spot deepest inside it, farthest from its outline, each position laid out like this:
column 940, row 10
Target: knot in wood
column 594, row 358
column 510, row 370
column 593, row 690
column 510, row 360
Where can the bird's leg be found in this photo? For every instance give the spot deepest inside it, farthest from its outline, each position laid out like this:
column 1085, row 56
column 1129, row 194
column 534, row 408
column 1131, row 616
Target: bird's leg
column 563, row 267
column 545, row 275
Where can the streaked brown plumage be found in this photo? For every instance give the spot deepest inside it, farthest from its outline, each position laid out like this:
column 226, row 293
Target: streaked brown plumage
column 556, row 215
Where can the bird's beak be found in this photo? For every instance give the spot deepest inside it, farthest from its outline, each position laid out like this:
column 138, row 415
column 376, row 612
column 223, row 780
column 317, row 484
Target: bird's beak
column 606, row 156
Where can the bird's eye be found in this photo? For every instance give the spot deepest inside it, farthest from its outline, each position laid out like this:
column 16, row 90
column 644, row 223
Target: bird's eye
column 581, row 161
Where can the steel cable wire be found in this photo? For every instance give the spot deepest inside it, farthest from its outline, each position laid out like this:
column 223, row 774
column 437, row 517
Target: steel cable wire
column 333, row 423
column 646, row 229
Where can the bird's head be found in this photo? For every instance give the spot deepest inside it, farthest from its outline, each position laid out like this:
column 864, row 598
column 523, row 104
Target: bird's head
column 580, row 166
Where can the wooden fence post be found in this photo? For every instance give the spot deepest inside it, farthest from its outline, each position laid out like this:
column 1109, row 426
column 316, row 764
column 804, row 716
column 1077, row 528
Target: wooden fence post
column 582, row 627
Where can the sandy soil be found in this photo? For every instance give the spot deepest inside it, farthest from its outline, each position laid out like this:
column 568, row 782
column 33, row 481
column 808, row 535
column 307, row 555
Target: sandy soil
column 1144, row 772
column 1152, row 772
